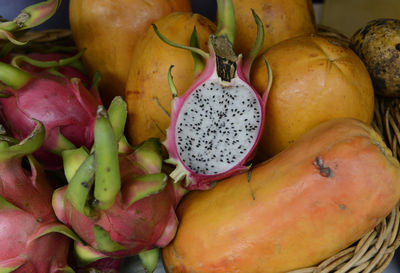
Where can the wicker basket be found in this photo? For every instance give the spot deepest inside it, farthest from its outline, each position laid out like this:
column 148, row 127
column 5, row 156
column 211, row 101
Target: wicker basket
column 373, row 252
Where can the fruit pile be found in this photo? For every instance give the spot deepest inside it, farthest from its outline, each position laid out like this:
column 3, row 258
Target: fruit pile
column 241, row 145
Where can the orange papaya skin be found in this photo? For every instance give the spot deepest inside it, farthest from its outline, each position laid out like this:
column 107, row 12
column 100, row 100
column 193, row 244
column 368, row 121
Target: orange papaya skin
column 307, row 203
column 110, row 30
column 147, row 93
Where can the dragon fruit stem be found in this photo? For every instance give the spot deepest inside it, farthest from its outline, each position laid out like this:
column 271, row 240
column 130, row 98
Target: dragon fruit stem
column 6, row 35
column 171, row 84
column 198, row 62
column 13, row 77
column 72, row 160
column 85, row 254
column 124, row 146
column 149, row 259
column 94, row 89
column 179, row 173
column 248, row 61
column 269, row 81
column 59, row 228
column 80, row 185
column 156, row 182
column 149, row 155
column 17, row 60
column 169, row 42
column 104, row 241
column 108, row 180
column 62, row 144
column 27, row 146
column 117, row 114
column 226, row 20
column 32, row 16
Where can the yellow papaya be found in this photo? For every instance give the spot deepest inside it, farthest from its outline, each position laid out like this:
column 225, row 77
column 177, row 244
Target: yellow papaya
column 317, row 197
column 147, row 92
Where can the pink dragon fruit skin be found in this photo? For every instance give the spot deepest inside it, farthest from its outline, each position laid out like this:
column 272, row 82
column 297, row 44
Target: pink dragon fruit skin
column 32, row 238
column 148, row 223
column 216, row 124
column 141, row 214
column 65, row 107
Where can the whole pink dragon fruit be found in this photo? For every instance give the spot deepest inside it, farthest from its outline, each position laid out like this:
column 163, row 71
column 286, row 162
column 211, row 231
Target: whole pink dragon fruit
column 118, row 201
column 32, row 239
column 65, row 107
column 216, row 125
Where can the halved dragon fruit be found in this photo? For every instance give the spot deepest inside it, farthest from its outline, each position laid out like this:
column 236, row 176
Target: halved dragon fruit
column 118, row 200
column 65, row 107
column 216, row 125
column 32, row 239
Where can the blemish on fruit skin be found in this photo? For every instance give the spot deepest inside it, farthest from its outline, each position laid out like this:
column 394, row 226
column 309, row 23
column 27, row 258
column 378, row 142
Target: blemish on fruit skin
column 248, row 181
column 161, row 107
column 177, row 256
column 324, row 171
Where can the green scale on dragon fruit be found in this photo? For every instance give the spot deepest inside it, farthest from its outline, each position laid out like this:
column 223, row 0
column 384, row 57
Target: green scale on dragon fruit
column 118, row 200
column 63, row 104
column 64, row 64
column 217, row 123
column 33, row 240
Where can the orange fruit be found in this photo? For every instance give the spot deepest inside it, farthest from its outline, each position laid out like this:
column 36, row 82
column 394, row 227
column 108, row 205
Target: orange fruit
column 148, row 94
column 314, row 79
column 282, row 19
column 109, row 30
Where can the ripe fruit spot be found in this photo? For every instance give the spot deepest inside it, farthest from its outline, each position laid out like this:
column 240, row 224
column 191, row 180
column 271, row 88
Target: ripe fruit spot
column 323, row 170
column 342, row 206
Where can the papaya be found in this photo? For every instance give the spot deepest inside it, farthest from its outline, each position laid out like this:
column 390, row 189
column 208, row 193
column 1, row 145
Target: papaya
column 148, row 94
column 282, row 19
column 314, row 79
column 315, row 198
column 109, row 31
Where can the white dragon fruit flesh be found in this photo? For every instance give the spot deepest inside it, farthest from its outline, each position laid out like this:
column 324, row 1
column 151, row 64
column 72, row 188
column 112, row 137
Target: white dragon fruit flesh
column 217, row 123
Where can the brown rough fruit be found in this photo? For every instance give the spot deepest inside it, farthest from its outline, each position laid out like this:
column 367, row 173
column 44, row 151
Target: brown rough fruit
column 147, row 91
column 109, row 30
column 282, row 19
column 316, row 198
column 378, row 45
column 314, row 79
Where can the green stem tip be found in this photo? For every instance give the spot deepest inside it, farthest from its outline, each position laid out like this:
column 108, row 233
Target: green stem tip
column 13, row 76
column 226, row 24
column 169, row 42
